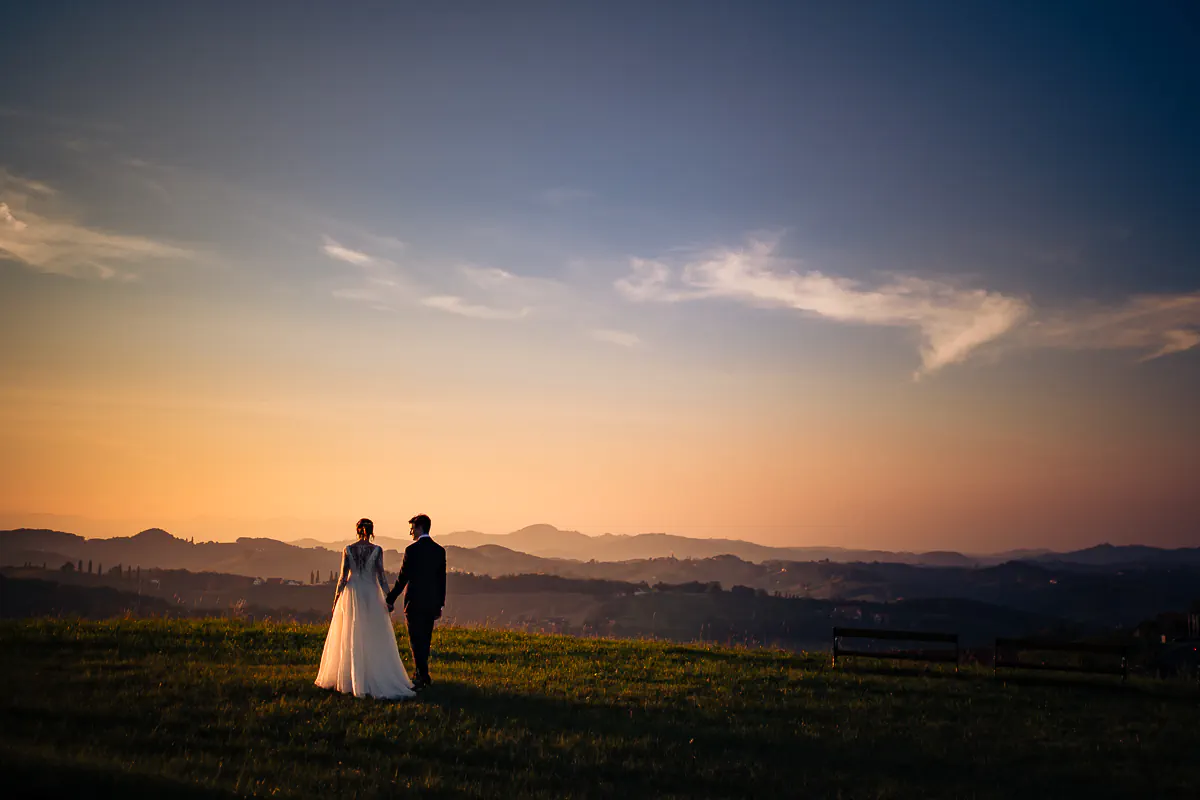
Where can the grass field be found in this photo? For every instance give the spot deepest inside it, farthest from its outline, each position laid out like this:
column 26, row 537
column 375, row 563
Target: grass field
column 218, row 708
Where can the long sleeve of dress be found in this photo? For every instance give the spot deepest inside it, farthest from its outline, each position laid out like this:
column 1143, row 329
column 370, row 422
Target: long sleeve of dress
column 379, row 573
column 345, row 575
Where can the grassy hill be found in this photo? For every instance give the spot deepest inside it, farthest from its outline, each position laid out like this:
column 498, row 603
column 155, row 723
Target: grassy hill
column 218, row 708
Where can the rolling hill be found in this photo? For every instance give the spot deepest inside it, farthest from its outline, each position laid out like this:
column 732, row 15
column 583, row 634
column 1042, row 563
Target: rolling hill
column 221, row 709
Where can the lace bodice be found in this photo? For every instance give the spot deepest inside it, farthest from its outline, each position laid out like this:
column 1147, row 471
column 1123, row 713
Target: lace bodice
column 361, row 561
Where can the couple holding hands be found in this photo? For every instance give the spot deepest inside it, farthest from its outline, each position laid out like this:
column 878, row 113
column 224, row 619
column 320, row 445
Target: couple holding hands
column 361, row 656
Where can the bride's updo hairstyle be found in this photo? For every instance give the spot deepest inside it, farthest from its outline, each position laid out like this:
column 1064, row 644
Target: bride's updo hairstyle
column 365, row 528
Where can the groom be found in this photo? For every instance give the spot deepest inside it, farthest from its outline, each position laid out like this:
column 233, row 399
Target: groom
column 423, row 571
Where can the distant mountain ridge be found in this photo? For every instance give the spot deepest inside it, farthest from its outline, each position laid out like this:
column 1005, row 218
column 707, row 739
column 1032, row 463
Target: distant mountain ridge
column 547, row 541
column 536, row 549
column 1109, row 555
column 158, row 548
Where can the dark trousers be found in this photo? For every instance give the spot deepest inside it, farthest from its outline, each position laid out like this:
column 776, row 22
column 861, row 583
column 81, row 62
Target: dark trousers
column 420, row 635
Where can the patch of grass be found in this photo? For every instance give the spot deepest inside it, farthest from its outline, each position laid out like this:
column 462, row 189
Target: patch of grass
column 216, row 708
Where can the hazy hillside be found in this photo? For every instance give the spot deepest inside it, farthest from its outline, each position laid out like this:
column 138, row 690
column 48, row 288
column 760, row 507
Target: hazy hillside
column 549, row 542
column 1107, row 555
column 157, row 548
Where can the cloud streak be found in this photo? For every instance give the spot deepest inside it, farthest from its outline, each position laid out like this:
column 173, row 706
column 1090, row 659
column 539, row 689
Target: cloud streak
column 496, row 294
column 620, row 338
column 1158, row 325
column 456, row 305
column 339, row 252
column 483, row 293
column 34, row 234
column 951, row 321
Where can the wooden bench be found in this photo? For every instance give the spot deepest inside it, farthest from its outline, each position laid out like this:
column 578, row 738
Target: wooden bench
column 1008, row 655
column 945, row 656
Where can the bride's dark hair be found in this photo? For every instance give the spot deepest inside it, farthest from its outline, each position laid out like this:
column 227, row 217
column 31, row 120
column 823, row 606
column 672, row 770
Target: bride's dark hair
column 365, row 526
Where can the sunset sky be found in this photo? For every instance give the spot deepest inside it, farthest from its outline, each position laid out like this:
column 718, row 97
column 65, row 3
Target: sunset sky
column 901, row 275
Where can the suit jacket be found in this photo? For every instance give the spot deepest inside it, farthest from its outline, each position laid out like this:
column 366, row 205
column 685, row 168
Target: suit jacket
column 423, row 573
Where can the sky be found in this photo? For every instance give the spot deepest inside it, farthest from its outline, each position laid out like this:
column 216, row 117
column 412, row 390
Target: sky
column 908, row 276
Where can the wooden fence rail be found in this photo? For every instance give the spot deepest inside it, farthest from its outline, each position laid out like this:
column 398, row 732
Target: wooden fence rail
column 945, row 656
column 1008, row 655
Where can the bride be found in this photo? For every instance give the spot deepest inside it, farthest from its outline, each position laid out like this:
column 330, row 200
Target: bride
column 361, row 656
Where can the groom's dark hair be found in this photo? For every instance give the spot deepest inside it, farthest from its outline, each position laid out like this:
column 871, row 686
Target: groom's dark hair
column 421, row 521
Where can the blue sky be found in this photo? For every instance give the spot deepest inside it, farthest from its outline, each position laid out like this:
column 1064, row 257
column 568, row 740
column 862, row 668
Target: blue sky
column 802, row 198
column 1012, row 142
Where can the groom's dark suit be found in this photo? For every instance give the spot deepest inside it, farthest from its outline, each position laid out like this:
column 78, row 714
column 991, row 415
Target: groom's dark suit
column 423, row 572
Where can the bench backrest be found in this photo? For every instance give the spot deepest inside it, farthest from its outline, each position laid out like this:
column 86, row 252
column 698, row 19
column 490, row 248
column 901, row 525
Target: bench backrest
column 1063, row 647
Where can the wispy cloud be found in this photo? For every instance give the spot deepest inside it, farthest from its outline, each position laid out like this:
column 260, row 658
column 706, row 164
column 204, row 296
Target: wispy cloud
column 484, row 293
column 7, row 218
column 378, row 297
column 622, row 338
column 952, row 321
column 496, row 294
column 18, row 183
column 489, row 277
column 1158, row 325
column 456, row 305
column 650, row 282
column 337, row 251
column 34, row 233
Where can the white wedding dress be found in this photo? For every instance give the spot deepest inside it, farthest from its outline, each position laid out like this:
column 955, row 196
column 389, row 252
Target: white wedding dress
column 361, row 655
